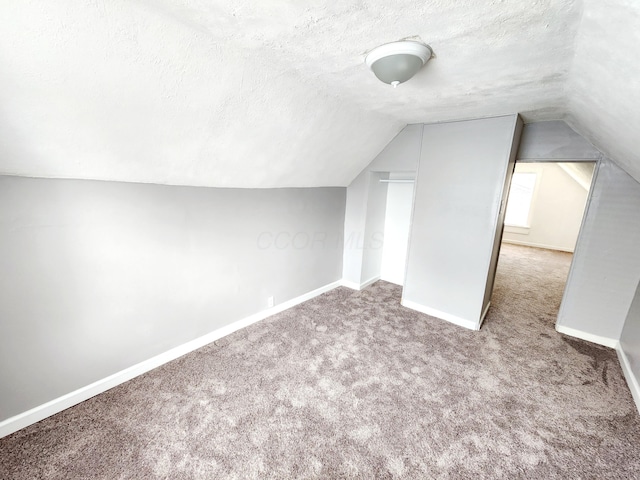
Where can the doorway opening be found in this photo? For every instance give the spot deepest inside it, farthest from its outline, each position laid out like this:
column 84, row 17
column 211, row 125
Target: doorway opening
column 545, row 210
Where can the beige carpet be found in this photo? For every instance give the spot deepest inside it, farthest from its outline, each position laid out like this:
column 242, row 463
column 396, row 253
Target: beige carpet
column 352, row 385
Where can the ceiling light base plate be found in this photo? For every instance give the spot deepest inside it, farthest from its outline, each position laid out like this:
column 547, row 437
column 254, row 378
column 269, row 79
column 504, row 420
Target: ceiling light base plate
column 395, row 63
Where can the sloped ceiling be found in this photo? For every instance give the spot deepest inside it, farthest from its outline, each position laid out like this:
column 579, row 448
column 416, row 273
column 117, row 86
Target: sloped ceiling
column 580, row 172
column 274, row 93
column 603, row 89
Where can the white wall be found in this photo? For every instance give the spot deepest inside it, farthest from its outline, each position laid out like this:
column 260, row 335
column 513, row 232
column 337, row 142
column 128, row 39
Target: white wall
column 606, row 263
column 462, row 177
column 374, row 229
column 98, row 276
column 396, row 231
column 402, row 154
column 557, row 209
column 364, row 229
column 355, row 220
column 630, row 346
column 554, row 141
column 366, row 205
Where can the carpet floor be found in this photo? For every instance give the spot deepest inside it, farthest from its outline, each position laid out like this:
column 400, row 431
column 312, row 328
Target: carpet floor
column 353, row 385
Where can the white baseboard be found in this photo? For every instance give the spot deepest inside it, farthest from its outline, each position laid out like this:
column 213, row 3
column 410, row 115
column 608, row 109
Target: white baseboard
column 350, row 284
column 59, row 404
column 631, row 379
column 361, row 286
column 371, row 281
column 537, row 245
column 462, row 322
column 604, row 341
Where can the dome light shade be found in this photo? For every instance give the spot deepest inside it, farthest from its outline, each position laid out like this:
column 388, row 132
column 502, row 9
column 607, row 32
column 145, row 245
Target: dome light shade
column 395, row 63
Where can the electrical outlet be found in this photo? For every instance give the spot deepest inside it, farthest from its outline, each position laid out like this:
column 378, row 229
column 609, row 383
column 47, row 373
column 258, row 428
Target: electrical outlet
column 270, row 302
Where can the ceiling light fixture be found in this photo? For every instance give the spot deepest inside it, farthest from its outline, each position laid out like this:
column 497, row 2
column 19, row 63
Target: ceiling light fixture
column 395, row 63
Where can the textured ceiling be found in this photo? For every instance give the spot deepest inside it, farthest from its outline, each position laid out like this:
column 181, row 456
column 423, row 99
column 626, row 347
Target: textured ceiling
column 275, row 93
column 604, row 83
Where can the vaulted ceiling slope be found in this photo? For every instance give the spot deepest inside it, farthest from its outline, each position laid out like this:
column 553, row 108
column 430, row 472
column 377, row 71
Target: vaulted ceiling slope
column 603, row 88
column 239, row 93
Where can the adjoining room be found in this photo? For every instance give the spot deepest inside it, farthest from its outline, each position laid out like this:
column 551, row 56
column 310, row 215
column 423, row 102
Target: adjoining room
column 545, row 210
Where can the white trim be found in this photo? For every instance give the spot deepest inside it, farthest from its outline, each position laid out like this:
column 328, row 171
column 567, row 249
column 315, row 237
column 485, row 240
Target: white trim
column 517, row 229
column 397, row 180
column 536, row 245
column 371, row 281
column 350, row 284
column 484, row 314
column 356, row 286
column 589, row 337
column 462, row 322
column 559, row 160
column 631, row 379
column 402, row 47
column 59, row 404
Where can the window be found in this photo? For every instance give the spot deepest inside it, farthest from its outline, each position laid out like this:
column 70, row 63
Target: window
column 520, row 196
